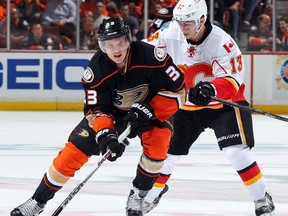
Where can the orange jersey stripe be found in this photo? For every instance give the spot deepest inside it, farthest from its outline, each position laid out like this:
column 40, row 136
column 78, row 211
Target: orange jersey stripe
column 164, row 107
column 105, row 78
column 102, row 122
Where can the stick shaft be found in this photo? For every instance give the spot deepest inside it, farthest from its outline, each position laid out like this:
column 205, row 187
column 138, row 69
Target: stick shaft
column 249, row 109
column 82, row 183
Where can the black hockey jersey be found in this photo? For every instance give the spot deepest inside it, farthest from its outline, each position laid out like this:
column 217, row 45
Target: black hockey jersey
column 150, row 75
column 164, row 15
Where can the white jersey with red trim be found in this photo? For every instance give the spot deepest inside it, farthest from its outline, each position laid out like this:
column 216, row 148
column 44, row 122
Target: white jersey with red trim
column 216, row 58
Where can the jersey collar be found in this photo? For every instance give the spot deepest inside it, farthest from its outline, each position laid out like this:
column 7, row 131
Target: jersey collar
column 208, row 27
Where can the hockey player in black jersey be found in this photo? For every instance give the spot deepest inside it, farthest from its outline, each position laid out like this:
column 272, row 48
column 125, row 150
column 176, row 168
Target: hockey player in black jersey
column 162, row 16
column 125, row 82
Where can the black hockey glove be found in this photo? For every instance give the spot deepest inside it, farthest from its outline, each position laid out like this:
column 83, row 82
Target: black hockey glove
column 140, row 117
column 107, row 139
column 200, row 94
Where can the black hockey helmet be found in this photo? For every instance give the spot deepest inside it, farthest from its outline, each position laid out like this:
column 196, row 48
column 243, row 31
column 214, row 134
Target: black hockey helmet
column 113, row 28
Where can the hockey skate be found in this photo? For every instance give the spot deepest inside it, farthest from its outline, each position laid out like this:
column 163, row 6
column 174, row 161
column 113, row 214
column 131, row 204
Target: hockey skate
column 147, row 207
column 30, row 208
column 265, row 206
column 134, row 202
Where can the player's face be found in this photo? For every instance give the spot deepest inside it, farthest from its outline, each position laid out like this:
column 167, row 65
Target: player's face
column 117, row 48
column 188, row 28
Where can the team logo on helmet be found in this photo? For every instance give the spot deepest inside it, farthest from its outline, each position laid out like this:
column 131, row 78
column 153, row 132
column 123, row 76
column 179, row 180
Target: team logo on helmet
column 163, row 11
column 88, row 75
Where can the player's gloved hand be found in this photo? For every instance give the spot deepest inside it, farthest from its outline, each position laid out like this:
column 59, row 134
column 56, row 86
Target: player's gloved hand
column 139, row 116
column 107, row 138
column 200, row 94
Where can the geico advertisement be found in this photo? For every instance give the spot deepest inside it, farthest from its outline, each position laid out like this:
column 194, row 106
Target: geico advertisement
column 42, row 76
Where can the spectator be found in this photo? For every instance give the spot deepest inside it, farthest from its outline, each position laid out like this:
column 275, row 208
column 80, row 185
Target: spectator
column 38, row 40
column 164, row 15
column 131, row 21
column 281, row 8
column 282, row 34
column 88, row 35
column 232, row 6
column 2, row 9
column 99, row 16
column 168, row 3
column 112, row 9
column 18, row 31
column 249, row 7
column 154, row 9
column 29, row 11
column 61, row 13
column 86, row 8
column 3, row 31
column 260, row 37
column 14, row 3
column 42, row 4
column 134, row 10
column 219, row 9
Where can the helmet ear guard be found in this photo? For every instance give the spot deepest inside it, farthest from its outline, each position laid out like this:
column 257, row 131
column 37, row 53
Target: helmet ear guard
column 113, row 28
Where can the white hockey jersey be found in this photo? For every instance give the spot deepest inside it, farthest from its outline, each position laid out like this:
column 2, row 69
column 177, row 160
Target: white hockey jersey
column 216, row 59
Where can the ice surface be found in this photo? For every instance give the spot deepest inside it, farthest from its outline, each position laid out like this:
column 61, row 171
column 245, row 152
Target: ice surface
column 203, row 184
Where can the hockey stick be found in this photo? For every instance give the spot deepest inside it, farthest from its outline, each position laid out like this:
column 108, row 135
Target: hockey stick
column 249, row 109
column 81, row 184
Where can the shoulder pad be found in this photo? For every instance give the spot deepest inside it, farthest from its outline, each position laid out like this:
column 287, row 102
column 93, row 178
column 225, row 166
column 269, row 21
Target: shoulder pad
column 163, row 11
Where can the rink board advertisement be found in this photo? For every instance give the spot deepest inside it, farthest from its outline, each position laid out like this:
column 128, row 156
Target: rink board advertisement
column 52, row 81
column 280, row 78
column 42, row 79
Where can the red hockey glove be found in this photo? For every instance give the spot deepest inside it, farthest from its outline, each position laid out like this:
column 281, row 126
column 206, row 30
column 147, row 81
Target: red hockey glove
column 139, row 116
column 200, row 94
column 108, row 140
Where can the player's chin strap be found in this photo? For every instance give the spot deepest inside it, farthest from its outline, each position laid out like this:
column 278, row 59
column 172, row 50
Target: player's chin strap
column 249, row 109
column 82, row 183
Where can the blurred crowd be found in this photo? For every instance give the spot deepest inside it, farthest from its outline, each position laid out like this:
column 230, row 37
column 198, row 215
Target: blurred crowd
column 51, row 25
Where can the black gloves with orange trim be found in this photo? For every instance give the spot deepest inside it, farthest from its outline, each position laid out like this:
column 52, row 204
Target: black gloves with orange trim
column 200, row 94
column 140, row 117
column 107, row 139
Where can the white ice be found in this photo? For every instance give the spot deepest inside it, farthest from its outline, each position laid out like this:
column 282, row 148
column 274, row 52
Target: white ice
column 203, row 184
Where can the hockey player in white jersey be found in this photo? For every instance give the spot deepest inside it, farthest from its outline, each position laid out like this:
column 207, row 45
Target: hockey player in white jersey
column 213, row 66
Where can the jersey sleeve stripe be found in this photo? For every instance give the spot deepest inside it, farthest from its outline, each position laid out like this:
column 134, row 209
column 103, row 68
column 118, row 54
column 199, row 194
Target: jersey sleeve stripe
column 105, row 78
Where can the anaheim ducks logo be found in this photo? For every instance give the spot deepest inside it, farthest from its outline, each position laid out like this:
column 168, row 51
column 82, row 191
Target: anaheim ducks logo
column 83, row 133
column 163, row 11
column 127, row 97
